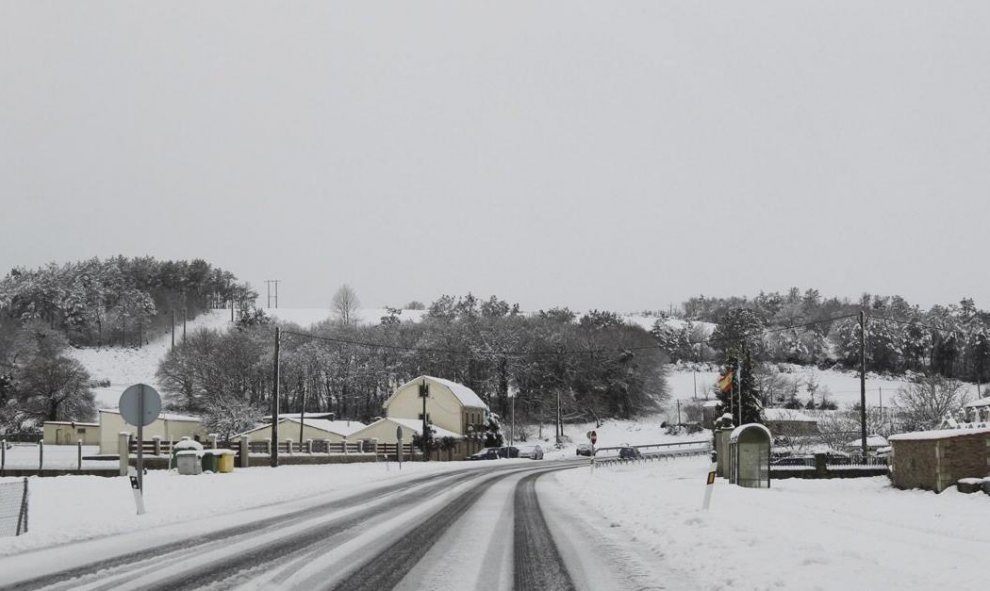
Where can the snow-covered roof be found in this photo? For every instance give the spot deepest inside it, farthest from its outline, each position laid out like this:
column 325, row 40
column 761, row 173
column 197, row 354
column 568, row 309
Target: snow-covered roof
column 165, row 416
column 979, row 403
column 416, row 426
column 734, row 436
column 73, row 423
column 938, row 434
column 296, row 415
column 787, row 414
column 871, row 441
column 464, row 395
column 344, row 428
column 711, row 403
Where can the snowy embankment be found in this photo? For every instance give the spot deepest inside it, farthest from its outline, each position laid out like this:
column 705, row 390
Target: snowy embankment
column 799, row 534
column 70, row 508
column 124, row 366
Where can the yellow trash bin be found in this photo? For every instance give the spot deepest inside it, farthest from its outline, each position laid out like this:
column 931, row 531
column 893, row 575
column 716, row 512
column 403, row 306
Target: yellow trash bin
column 226, row 461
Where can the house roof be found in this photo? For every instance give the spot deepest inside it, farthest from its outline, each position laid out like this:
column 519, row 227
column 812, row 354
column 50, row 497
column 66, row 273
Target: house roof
column 938, row 434
column 464, row 395
column 787, row 414
column 342, row 428
column 166, row 416
column 979, row 403
column 871, row 441
column 416, row 426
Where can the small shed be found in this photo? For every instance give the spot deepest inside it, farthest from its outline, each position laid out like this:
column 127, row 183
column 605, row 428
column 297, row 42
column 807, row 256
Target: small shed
column 749, row 456
column 790, row 422
column 70, row 432
column 936, row 460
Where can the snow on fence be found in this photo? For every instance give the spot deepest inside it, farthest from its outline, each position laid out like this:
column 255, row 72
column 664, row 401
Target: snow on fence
column 47, row 458
column 14, row 508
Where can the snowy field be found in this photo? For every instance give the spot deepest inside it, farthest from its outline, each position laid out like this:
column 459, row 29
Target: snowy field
column 56, row 457
column 799, row 534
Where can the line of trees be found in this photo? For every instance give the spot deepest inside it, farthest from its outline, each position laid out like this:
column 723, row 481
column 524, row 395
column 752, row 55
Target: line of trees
column 118, row 300
column 598, row 365
column 950, row 341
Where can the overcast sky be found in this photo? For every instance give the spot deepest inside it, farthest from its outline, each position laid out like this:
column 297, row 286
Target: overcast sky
column 620, row 155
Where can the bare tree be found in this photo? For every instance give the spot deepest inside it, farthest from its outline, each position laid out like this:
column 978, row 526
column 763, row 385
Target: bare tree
column 929, row 400
column 345, row 303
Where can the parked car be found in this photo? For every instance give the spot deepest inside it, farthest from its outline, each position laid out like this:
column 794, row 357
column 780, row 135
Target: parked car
column 585, row 449
column 533, row 452
column 489, row 453
column 794, row 461
column 508, row 452
column 629, row 453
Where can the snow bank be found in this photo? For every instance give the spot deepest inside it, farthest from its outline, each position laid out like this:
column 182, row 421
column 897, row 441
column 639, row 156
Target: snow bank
column 799, row 534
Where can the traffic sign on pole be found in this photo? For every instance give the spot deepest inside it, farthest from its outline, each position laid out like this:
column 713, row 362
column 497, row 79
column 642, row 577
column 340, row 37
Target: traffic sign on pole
column 593, row 437
column 140, row 405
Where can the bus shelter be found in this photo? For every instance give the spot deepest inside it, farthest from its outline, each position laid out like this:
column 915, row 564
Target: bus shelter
column 749, row 456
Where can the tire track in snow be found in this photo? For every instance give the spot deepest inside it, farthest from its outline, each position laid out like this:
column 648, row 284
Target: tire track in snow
column 537, row 565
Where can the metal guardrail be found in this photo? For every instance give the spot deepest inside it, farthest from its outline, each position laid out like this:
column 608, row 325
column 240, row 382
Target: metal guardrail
column 661, row 451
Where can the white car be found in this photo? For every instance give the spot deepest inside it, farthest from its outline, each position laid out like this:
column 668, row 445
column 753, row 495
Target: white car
column 533, row 452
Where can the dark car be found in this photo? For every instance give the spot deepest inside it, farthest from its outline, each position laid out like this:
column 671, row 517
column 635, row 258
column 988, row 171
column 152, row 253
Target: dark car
column 508, row 452
column 629, row 453
column 585, row 449
column 489, row 453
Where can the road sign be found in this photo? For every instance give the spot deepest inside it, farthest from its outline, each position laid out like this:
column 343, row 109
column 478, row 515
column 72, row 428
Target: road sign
column 140, row 405
column 593, row 437
column 398, row 433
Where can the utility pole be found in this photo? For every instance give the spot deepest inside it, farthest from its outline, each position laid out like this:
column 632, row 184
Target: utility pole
column 302, row 417
column 862, row 378
column 275, row 413
column 512, row 425
column 173, row 329
column 424, row 393
column 185, row 314
column 268, row 284
column 678, row 411
column 559, row 428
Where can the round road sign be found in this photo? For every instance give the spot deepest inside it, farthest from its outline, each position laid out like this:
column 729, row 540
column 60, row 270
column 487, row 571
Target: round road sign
column 594, row 437
column 140, row 405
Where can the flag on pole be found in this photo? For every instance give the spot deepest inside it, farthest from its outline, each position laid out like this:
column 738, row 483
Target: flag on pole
column 726, row 380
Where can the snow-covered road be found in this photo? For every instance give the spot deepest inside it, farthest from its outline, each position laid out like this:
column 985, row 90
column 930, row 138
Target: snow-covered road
column 488, row 527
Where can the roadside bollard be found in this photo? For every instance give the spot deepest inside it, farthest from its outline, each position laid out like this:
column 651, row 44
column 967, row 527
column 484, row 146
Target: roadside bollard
column 79, row 453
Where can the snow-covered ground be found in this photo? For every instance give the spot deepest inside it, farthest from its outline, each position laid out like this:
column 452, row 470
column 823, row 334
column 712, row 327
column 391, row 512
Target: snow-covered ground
column 126, row 366
column 54, row 457
column 68, row 508
column 799, row 534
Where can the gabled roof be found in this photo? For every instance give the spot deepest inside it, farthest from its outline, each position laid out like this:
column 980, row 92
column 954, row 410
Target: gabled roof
column 342, row 428
column 464, row 395
column 787, row 414
column 417, row 427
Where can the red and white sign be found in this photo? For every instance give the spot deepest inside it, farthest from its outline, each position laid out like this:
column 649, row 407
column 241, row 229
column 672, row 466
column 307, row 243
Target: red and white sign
column 593, row 437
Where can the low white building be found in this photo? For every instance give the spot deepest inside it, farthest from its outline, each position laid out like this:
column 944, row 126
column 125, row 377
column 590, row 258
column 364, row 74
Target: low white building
column 168, row 427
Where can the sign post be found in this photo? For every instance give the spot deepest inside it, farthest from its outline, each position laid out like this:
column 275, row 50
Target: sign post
column 398, row 444
column 593, row 437
column 139, row 406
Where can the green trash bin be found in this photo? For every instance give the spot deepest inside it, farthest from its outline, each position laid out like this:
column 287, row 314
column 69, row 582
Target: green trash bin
column 211, row 460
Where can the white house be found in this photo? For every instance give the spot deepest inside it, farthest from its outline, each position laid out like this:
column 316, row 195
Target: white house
column 168, row 426
column 450, row 406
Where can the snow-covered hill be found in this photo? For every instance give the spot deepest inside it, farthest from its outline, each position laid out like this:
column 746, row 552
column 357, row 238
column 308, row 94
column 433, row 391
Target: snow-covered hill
column 126, row 366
